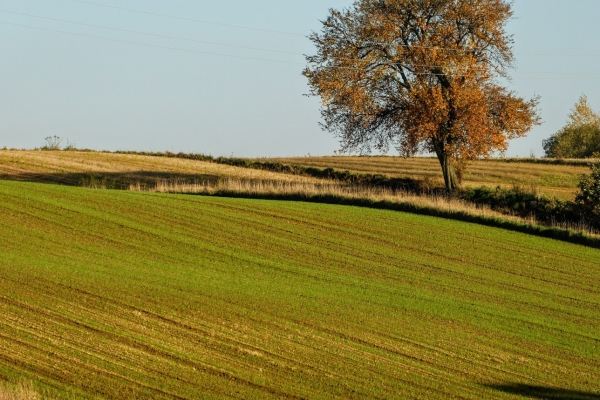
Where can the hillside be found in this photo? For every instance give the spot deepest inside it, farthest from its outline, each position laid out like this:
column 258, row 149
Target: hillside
column 118, row 294
column 120, row 170
column 88, row 168
column 551, row 180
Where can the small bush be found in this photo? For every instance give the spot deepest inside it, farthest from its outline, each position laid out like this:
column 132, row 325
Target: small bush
column 52, row 143
column 70, row 146
column 523, row 203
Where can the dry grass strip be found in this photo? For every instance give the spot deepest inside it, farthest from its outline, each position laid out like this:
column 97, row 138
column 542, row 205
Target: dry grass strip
column 20, row 391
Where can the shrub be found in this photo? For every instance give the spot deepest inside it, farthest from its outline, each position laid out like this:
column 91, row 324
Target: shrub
column 587, row 201
column 524, row 203
column 574, row 142
column 52, row 143
column 70, row 146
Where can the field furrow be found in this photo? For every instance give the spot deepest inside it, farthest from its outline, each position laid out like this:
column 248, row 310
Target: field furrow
column 114, row 294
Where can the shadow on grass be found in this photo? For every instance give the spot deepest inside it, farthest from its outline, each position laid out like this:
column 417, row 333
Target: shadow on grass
column 109, row 180
column 542, row 392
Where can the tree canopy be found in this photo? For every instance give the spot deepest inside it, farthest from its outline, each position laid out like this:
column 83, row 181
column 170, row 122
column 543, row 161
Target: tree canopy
column 580, row 138
column 419, row 76
column 588, row 197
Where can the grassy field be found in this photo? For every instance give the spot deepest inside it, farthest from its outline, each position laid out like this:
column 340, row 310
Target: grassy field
column 550, row 180
column 119, row 294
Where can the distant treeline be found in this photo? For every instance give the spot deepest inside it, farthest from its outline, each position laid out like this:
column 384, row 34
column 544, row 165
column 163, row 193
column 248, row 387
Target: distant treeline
column 548, row 161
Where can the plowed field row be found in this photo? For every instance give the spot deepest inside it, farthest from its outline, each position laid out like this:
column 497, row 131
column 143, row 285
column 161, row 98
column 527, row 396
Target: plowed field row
column 115, row 294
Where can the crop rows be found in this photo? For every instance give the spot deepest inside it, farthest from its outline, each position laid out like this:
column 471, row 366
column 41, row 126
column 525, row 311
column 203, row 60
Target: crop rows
column 116, row 294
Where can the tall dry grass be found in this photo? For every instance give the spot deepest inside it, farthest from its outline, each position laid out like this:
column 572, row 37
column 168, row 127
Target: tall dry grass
column 20, row 391
column 549, row 179
column 308, row 188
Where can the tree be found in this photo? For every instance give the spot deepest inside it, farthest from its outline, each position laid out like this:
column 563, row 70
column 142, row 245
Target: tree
column 580, row 138
column 587, row 200
column 421, row 76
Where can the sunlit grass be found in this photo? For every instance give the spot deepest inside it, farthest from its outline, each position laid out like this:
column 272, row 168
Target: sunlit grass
column 20, row 391
column 122, row 294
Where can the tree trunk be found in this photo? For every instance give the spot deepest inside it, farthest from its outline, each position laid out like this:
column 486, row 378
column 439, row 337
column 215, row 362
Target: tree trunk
column 450, row 177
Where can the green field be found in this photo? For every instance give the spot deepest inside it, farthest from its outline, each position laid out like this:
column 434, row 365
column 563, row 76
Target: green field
column 116, row 294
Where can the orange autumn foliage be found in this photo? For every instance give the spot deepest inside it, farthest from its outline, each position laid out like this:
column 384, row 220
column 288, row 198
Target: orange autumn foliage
column 421, row 76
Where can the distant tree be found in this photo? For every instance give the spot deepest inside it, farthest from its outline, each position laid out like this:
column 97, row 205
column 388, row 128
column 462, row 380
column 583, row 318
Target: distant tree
column 420, row 76
column 580, row 138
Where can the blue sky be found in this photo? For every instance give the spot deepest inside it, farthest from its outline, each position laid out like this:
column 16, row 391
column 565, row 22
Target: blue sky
column 173, row 95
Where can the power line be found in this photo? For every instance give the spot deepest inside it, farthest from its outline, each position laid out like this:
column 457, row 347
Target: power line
column 558, row 55
column 299, row 34
column 148, row 34
column 251, row 28
column 247, row 47
column 172, row 37
column 581, row 75
column 558, row 73
column 471, row 50
column 189, row 19
column 152, row 45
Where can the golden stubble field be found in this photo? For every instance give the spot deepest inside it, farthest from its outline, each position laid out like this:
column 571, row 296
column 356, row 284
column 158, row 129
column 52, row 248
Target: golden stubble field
column 550, row 180
column 73, row 167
